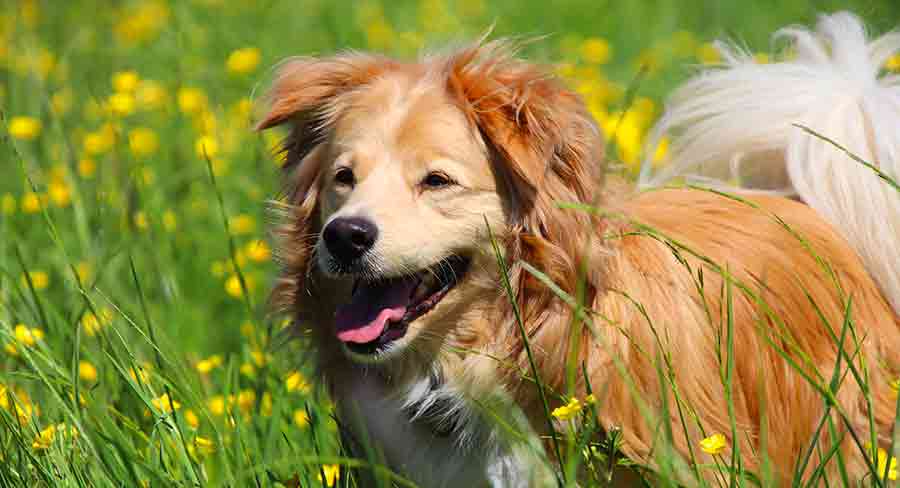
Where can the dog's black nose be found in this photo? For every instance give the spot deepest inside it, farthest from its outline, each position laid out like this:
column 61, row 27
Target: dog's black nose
column 348, row 238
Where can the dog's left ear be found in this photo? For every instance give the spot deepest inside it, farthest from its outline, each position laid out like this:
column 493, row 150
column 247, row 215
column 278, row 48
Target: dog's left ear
column 540, row 132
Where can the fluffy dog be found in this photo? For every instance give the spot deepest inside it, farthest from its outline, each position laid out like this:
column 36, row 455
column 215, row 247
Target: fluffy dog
column 404, row 178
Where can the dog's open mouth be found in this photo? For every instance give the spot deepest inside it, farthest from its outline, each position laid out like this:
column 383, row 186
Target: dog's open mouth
column 379, row 312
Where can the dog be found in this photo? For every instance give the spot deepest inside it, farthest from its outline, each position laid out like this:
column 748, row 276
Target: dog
column 438, row 211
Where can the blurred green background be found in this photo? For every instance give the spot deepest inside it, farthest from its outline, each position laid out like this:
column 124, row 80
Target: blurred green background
column 115, row 260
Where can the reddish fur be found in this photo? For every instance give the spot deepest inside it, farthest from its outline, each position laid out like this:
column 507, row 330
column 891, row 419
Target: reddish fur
column 545, row 149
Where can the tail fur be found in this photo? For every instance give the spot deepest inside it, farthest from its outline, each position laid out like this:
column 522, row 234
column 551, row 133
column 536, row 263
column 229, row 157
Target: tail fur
column 738, row 124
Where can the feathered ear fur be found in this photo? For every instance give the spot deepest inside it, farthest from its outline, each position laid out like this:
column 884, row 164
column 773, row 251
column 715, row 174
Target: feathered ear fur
column 307, row 93
column 546, row 149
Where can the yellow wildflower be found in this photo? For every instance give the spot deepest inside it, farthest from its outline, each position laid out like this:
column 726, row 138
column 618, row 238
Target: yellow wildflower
column 140, row 220
column 125, row 81
column 713, row 444
column 165, row 404
column 242, row 224
column 169, row 221
column 191, row 100
column 121, row 103
column 260, row 358
column 39, row 279
column 233, row 286
column 596, row 50
column 92, row 323
column 301, row 418
column 216, row 404
column 31, row 202
column 87, row 167
column 99, row 141
column 257, row 250
column 24, row 128
column 204, row 366
column 567, row 411
column 895, row 386
column 295, row 381
column 884, row 462
column 590, row 399
column 192, row 419
column 893, row 63
column 266, row 405
column 140, row 374
column 143, row 141
column 84, row 270
column 150, row 95
column 243, row 61
column 87, row 371
column 206, row 147
column 204, row 446
column 8, row 204
column 59, row 193
column 248, row 370
column 332, row 474
column 708, row 54
column 246, row 400
column 44, row 438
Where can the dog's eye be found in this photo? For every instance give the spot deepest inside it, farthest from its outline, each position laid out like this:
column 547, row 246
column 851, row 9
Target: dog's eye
column 436, row 179
column 344, row 176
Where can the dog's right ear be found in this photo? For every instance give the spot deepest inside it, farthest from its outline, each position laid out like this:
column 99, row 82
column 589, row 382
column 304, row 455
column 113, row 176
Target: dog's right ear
column 307, row 95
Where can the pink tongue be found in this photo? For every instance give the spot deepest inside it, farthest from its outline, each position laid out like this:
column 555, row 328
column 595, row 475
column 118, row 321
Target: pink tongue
column 371, row 308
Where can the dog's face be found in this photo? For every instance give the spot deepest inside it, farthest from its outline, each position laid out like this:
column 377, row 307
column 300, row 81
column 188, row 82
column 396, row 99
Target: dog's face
column 397, row 172
column 406, row 194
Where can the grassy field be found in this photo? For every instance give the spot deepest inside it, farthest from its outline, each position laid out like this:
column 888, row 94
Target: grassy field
column 137, row 349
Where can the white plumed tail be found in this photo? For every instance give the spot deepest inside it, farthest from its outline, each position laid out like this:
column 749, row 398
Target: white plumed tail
column 737, row 124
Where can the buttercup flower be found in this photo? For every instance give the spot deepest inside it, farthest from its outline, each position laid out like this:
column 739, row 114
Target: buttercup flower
column 191, row 418
column 295, row 381
column 301, row 418
column 713, row 444
column 125, row 81
column 596, row 50
column 24, row 128
column 164, row 404
column 121, row 103
column 204, row 366
column 332, row 474
column 204, row 446
column 206, row 147
column 87, row 371
column 242, row 224
column 257, row 250
column 143, row 141
column 86, row 168
column 243, row 61
column 39, row 279
column 191, row 100
column 567, row 411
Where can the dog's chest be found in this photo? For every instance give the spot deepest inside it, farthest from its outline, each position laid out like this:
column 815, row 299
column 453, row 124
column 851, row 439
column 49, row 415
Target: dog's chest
column 466, row 455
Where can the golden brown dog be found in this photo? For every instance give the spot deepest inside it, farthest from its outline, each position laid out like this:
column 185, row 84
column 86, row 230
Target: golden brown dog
column 399, row 174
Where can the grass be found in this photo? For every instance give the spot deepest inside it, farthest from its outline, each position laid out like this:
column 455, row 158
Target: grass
column 137, row 347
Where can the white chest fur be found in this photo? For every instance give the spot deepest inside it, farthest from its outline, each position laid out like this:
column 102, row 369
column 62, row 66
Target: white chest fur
column 401, row 427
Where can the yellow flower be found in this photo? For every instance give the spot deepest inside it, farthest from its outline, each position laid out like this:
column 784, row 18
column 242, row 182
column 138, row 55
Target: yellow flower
column 243, row 61
column 246, row 400
column 87, row 371
column 266, row 405
column 216, row 405
column 24, row 128
column 151, row 95
column 248, row 370
column 204, row 366
column 125, row 81
column 31, row 202
column 87, row 167
column 39, row 279
column 191, row 100
column 170, row 221
column 332, row 474
column 233, row 286
column 257, row 250
column 204, row 446
column 140, row 373
column 883, row 463
column 893, row 63
column 121, row 103
column 295, row 381
column 708, row 54
column 301, row 418
column 596, row 50
column 567, row 411
column 143, row 141
column 8, row 204
column 260, row 358
column 192, row 419
column 140, row 220
column 242, row 224
column 895, row 386
column 100, row 141
column 713, row 444
column 92, row 324
column 165, row 404
column 590, row 399
column 60, row 193
column 206, row 147
column 44, row 438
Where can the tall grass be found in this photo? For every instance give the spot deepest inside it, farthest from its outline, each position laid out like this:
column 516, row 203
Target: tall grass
column 137, row 347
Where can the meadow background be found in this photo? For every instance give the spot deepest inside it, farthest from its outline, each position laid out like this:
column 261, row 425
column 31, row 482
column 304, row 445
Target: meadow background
column 136, row 348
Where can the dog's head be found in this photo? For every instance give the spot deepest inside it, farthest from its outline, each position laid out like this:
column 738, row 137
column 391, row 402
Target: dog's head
column 394, row 174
